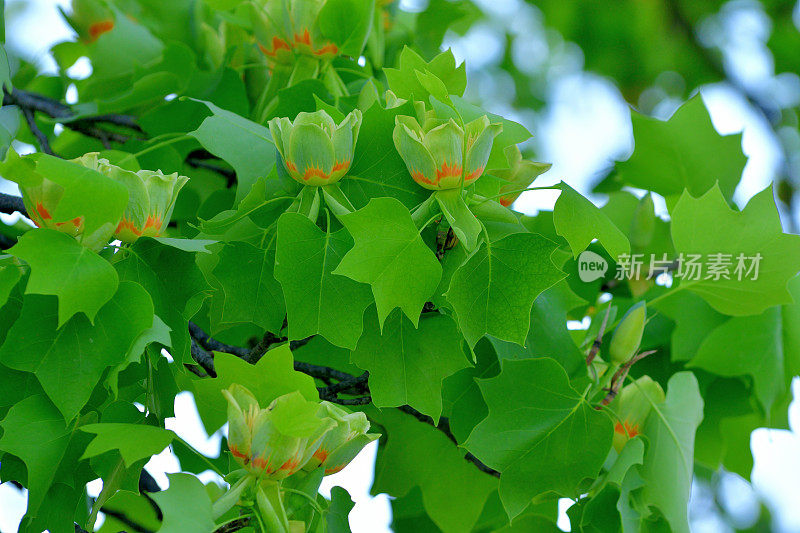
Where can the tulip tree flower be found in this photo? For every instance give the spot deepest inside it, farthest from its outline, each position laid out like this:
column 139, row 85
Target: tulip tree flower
column 275, row 442
column 340, row 445
column 90, row 19
column 284, row 28
column 443, row 155
column 151, row 197
column 635, row 403
column 519, row 175
column 314, row 149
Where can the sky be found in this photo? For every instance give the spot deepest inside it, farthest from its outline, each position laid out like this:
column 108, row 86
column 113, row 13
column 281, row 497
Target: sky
column 585, row 127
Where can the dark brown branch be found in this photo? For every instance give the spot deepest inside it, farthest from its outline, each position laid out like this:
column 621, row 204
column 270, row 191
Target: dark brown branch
column 235, row 525
column 10, row 204
column 41, row 138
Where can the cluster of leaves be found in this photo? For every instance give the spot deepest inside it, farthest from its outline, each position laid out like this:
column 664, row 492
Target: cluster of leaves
column 449, row 331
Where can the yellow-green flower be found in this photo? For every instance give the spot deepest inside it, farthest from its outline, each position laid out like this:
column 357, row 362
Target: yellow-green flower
column 151, row 197
column 341, row 444
column 314, row 149
column 635, row 403
column 441, row 154
column 283, row 28
column 277, row 441
column 90, row 19
column 519, row 175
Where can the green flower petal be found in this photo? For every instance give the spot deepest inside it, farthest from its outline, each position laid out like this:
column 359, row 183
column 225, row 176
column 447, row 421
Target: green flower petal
column 311, row 156
column 417, row 158
column 445, row 143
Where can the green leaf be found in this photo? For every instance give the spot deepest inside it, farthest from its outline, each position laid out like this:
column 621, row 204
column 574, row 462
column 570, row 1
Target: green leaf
column 9, row 276
column 134, row 441
column 684, row 152
column 748, row 345
column 536, row 423
column 336, row 516
column 755, row 230
column 406, row 364
column 174, row 282
column 493, row 291
column 82, row 280
column 579, row 221
column 694, row 319
column 35, row 432
column 377, row 169
column 347, row 23
column 418, row 455
column 272, row 376
column 250, row 293
column 669, row 460
column 390, row 255
column 246, row 145
column 464, row 224
column 405, row 83
column 186, row 506
column 69, row 361
column 317, row 301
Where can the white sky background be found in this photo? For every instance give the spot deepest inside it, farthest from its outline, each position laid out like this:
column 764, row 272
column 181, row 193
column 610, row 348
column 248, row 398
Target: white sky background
column 583, row 130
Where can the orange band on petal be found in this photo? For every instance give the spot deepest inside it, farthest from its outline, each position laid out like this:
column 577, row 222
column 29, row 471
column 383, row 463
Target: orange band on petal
column 474, row 174
column 629, row 430
column 329, row 48
column 333, row 470
column 419, row 177
column 42, row 211
column 313, row 172
column 448, row 171
column 321, row 455
column 277, row 44
column 505, row 202
column 99, row 28
column 303, row 39
column 340, row 166
column 128, row 225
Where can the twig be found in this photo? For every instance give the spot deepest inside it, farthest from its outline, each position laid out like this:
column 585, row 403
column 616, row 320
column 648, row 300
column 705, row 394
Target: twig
column 41, row 138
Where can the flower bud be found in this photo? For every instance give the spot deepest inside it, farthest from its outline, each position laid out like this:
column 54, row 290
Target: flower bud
column 277, row 441
column 41, row 201
column 628, row 334
column 90, row 19
column 635, row 403
column 643, row 224
column 151, row 197
column 519, row 175
column 442, row 155
column 314, row 149
column 341, row 444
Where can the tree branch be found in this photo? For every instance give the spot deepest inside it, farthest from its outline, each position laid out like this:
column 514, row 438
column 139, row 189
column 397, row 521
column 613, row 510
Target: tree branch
column 10, row 204
column 41, row 138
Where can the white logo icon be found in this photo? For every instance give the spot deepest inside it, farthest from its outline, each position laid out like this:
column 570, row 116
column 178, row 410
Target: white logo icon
column 591, row 266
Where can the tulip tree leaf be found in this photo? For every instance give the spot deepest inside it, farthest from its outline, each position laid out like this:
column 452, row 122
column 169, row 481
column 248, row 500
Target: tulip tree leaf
column 272, row 376
column 377, row 169
column 82, row 280
column 250, row 293
column 36, row 420
column 405, row 82
column 754, row 231
column 317, row 300
column 336, row 515
column 417, row 455
column 407, row 364
column 134, row 441
column 579, row 221
column 669, row 460
column 694, row 320
column 748, row 345
column 531, row 436
column 226, row 134
column 671, row 156
column 69, row 361
column 347, row 23
column 186, row 506
column 494, row 290
column 390, row 255
column 174, row 282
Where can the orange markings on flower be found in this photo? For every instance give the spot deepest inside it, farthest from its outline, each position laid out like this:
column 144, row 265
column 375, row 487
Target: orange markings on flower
column 291, row 166
column 303, row 39
column 329, row 48
column 153, row 222
column 290, row 465
column 277, row 44
column 128, row 225
column 474, row 174
column 340, row 166
column 629, row 430
column 42, row 212
column 99, row 28
column 321, row 455
column 236, row 453
column 505, row 202
column 334, row 469
column 448, row 171
column 261, row 463
column 314, row 172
